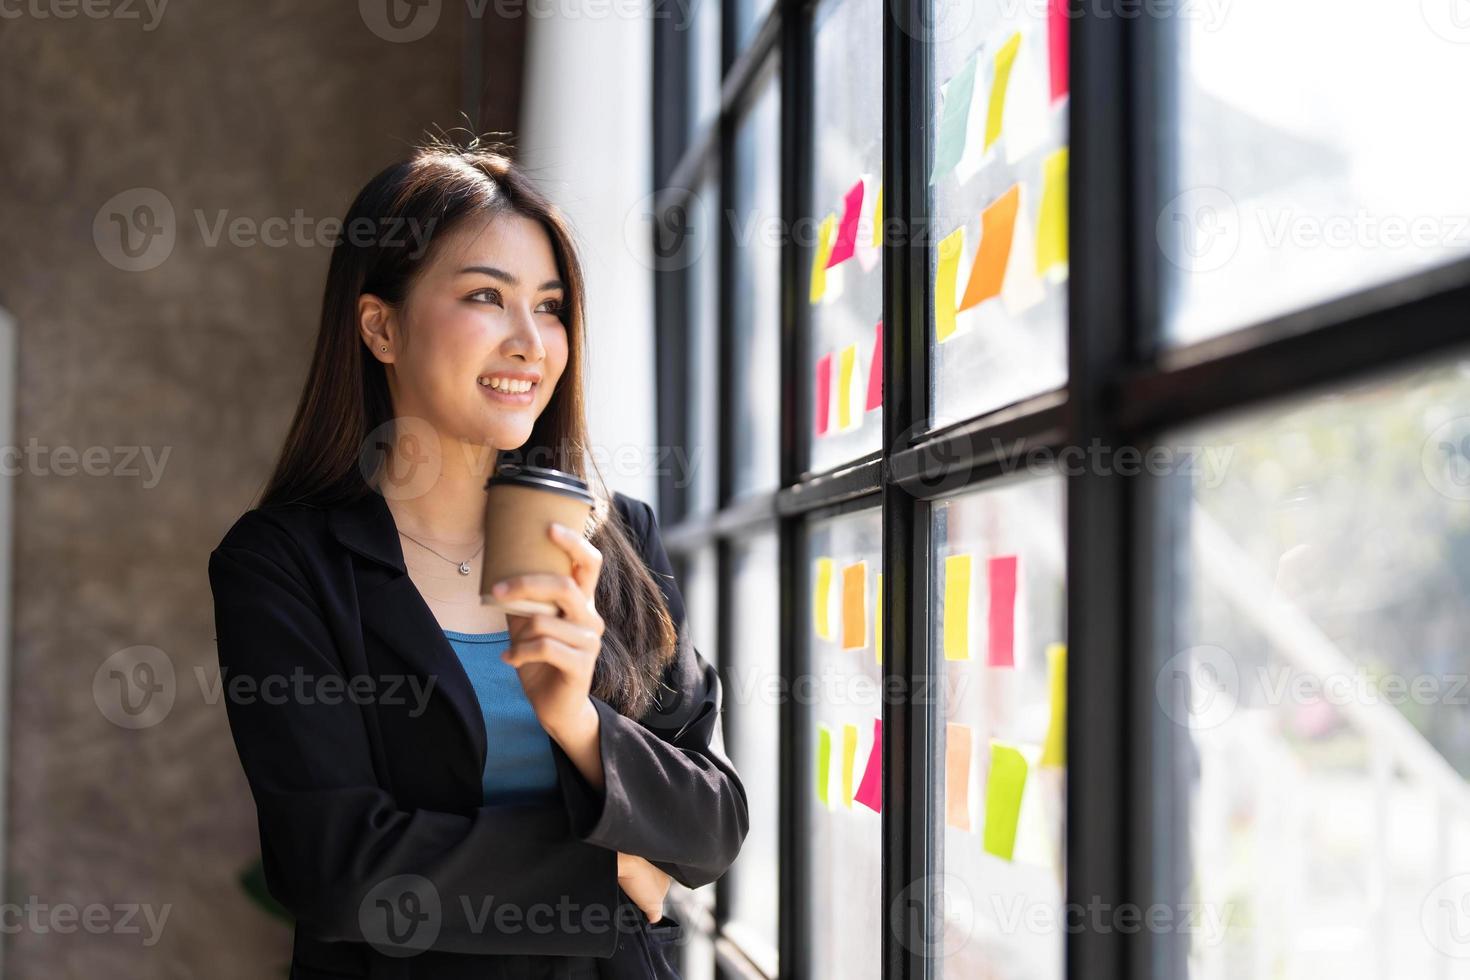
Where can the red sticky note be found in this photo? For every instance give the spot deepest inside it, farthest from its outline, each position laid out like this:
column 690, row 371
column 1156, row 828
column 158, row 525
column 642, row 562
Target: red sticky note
column 1056, row 38
column 1002, row 652
column 847, row 231
column 997, row 226
column 870, row 790
column 875, row 373
column 824, row 392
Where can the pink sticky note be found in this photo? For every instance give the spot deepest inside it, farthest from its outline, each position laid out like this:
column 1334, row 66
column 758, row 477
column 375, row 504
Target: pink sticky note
column 847, row 231
column 1002, row 652
column 1056, row 42
column 870, row 790
column 823, row 392
column 875, row 373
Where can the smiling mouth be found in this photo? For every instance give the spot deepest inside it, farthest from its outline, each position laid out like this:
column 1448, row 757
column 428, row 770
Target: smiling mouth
column 511, row 391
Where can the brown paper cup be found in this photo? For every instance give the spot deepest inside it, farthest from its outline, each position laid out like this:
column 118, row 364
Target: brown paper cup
column 523, row 503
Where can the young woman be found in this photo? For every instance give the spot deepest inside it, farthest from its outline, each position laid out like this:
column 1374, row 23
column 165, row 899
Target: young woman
column 443, row 791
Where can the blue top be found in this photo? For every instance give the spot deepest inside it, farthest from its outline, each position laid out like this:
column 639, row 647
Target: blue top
column 518, row 763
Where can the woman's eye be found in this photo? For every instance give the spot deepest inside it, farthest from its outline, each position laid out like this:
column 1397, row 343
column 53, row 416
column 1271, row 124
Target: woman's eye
column 493, row 294
column 555, row 305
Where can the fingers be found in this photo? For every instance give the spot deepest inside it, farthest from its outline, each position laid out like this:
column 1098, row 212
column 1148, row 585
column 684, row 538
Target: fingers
column 563, row 591
column 586, row 559
column 545, row 650
column 569, row 631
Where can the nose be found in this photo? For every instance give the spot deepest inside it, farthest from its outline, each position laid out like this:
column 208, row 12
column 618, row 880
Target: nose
column 524, row 340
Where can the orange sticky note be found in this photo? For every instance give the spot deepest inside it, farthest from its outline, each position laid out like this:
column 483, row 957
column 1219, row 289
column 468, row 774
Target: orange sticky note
column 957, row 607
column 826, row 232
column 946, row 273
column 855, row 606
column 997, row 226
column 870, row 790
column 849, row 757
column 878, row 623
column 1051, row 224
column 957, row 775
column 821, row 592
column 1005, row 59
column 846, row 365
column 1003, row 789
column 824, row 762
column 1054, row 749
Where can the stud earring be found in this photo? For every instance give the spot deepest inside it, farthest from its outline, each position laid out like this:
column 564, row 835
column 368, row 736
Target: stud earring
column 385, row 350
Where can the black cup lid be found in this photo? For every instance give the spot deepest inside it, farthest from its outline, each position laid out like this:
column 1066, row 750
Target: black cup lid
column 542, row 477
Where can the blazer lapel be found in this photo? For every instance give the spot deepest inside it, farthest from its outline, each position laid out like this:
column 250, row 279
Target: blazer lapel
column 392, row 607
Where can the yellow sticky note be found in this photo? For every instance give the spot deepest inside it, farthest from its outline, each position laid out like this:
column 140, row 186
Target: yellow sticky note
column 1003, row 788
column 950, row 249
column 824, row 761
column 1005, row 59
column 957, row 607
column 1054, row 749
column 855, row 606
column 846, row 365
column 1051, row 224
column 878, row 623
column 849, row 757
column 821, row 591
column 826, row 234
column 878, row 218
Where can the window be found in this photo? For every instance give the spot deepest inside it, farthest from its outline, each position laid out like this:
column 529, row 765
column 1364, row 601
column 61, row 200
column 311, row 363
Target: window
column 1087, row 607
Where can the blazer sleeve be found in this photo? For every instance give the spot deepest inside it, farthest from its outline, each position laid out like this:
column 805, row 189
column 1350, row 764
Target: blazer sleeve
column 338, row 850
column 670, row 793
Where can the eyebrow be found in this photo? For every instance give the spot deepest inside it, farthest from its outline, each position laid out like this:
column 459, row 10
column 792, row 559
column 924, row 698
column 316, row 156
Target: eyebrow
column 506, row 277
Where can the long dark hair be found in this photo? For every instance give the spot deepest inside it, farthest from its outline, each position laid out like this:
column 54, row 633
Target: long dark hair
column 346, row 395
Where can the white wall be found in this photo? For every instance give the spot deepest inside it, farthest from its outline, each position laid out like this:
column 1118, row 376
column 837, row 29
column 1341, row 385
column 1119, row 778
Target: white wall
column 586, row 134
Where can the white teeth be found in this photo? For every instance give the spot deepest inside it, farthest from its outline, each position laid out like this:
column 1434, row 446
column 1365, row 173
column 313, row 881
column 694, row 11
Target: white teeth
column 507, row 385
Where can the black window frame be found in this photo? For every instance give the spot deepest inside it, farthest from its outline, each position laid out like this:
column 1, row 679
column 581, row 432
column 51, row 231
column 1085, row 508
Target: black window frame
column 1125, row 388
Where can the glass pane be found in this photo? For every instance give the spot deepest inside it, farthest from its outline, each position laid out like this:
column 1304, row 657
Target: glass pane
column 1000, row 630
column 999, row 183
column 1316, row 689
column 845, row 286
column 701, row 465
column 844, row 688
column 755, row 226
column 750, row 14
column 753, row 708
column 705, row 70
column 699, row 578
column 1314, row 156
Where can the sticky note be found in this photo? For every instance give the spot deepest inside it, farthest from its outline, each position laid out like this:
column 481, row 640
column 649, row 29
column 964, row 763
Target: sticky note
column 821, row 592
column 849, row 756
column 822, row 394
column 846, row 365
column 957, row 607
column 997, row 225
column 1023, row 288
column 1056, row 31
column 824, row 761
column 950, row 249
column 875, row 372
column 878, row 623
column 954, row 120
column 1028, row 103
column 852, row 210
column 826, row 232
column 1054, row 749
column 1051, row 224
column 1005, row 58
column 868, row 236
column 957, row 775
column 870, row 790
column 855, row 606
column 1003, row 789
column 1001, row 622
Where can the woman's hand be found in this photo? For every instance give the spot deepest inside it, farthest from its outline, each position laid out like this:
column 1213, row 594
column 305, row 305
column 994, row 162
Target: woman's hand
column 555, row 655
column 644, row 883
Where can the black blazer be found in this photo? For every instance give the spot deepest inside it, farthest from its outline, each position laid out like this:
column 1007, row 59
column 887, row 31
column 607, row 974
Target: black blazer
column 367, row 781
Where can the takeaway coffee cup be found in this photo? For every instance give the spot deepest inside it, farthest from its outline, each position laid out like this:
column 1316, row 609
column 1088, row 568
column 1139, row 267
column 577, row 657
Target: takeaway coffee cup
column 524, row 501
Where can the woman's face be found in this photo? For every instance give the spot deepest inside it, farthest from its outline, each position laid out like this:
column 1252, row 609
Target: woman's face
column 486, row 344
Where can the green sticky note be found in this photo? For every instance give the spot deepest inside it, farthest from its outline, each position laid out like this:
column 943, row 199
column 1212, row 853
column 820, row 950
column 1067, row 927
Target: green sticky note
column 953, row 123
column 824, row 761
column 1003, row 789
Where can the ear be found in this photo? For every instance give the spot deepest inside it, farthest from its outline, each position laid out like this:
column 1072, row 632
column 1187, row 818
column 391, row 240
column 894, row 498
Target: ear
column 377, row 323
